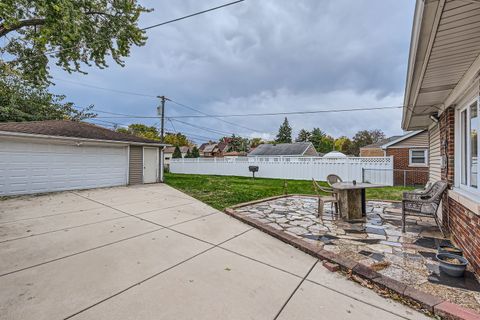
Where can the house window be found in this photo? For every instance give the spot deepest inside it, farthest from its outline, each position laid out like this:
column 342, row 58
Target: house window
column 468, row 137
column 418, row 157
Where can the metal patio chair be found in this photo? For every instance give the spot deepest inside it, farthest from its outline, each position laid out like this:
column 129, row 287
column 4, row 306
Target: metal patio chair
column 424, row 203
column 331, row 197
column 333, row 178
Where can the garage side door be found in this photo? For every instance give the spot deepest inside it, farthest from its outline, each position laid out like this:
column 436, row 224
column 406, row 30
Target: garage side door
column 28, row 167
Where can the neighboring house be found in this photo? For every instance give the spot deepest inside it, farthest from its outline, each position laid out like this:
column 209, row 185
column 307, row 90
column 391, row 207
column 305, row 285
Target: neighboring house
column 46, row 156
column 442, row 96
column 234, row 154
column 168, row 153
column 212, row 149
column 297, row 149
column 410, row 156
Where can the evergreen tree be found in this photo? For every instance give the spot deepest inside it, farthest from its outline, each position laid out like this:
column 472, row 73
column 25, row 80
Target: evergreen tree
column 195, row 152
column 284, row 133
column 303, row 136
column 177, row 153
column 189, row 154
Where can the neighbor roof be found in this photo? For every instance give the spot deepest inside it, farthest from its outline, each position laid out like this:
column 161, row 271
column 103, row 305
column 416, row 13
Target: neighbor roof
column 70, row 129
column 183, row 149
column 281, row 149
column 380, row 143
column 391, row 141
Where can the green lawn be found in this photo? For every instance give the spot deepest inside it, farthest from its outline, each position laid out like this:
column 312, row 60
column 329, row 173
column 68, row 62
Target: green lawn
column 221, row 191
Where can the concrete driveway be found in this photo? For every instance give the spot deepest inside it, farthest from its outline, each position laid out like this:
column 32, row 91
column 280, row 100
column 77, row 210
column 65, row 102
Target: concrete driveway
column 152, row 252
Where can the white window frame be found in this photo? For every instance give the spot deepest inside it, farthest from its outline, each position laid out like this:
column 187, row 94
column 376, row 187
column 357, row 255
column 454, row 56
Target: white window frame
column 458, row 148
column 410, row 156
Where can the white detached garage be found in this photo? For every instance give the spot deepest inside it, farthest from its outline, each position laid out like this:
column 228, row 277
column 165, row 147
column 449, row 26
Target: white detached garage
column 46, row 156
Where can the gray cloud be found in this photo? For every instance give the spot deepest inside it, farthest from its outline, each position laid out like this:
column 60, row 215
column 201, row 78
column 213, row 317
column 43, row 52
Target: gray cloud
column 269, row 55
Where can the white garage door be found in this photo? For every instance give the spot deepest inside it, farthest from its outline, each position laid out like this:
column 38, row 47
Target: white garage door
column 33, row 167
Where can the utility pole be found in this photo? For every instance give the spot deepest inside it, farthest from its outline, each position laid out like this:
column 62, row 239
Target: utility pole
column 161, row 113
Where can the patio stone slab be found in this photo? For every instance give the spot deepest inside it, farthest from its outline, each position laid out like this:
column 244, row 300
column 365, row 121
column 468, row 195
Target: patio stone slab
column 177, row 214
column 31, row 227
column 259, row 246
column 57, row 290
column 323, row 301
column 214, row 229
column 45, row 205
column 27, row 252
column 198, row 291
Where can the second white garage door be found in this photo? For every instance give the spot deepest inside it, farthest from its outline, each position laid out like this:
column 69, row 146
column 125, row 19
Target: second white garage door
column 35, row 167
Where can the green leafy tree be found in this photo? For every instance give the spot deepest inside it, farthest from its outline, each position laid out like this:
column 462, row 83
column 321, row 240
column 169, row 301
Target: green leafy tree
column 177, row 139
column 195, row 152
column 20, row 101
column 69, row 33
column 322, row 142
column 177, row 153
column 236, row 143
column 284, row 133
column 141, row 130
column 255, row 142
column 303, row 136
column 366, row 137
column 343, row 144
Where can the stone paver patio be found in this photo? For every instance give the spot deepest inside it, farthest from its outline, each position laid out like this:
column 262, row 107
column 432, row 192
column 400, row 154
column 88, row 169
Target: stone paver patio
column 379, row 242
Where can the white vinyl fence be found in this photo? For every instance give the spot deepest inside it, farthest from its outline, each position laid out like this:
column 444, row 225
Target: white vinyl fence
column 297, row 168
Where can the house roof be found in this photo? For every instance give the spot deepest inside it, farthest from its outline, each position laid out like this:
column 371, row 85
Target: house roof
column 70, row 129
column 443, row 64
column 281, row 149
column 380, row 143
column 183, row 149
column 388, row 142
column 209, row 147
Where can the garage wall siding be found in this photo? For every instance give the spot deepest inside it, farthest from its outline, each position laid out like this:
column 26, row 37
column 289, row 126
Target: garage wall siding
column 30, row 166
column 135, row 175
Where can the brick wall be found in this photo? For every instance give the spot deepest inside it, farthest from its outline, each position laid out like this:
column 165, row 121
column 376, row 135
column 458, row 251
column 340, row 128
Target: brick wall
column 462, row 224
column 371, row 152
column 403, row 173
column 464, row 228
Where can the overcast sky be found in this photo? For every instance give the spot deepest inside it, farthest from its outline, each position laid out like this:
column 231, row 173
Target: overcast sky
column 261, row 56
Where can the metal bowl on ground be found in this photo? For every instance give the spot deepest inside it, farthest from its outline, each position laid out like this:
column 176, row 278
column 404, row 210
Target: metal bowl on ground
column 448, row 265
column 450, row 249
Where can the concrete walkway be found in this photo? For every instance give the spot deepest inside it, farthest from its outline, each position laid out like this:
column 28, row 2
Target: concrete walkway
column 152, row 252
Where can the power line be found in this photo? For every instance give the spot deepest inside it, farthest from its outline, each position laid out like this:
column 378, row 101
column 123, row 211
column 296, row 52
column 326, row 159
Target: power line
column 108, row 89
column 144, row 29
column 215, row 131
column 209, row 115
column 192, row 15
column 264, row 114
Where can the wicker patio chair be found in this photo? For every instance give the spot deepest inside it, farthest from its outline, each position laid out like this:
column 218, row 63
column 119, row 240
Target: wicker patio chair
column 331, row 198
column 423, row 203
column 333, row 178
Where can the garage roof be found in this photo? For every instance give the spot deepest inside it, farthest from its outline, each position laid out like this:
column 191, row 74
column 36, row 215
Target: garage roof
column 71, row 129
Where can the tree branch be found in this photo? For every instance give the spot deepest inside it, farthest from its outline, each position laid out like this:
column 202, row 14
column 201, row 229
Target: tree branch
column 22, row 23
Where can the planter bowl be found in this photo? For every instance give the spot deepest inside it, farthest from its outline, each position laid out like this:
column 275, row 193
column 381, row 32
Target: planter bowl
column 453, row 270
column 450, row 249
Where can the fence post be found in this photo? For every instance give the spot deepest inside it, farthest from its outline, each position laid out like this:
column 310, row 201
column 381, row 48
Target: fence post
column 363, row 174
column 404, row 178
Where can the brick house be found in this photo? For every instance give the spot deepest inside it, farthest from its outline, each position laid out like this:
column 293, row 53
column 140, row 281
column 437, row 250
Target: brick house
column 442, row 96
column 410, row 156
